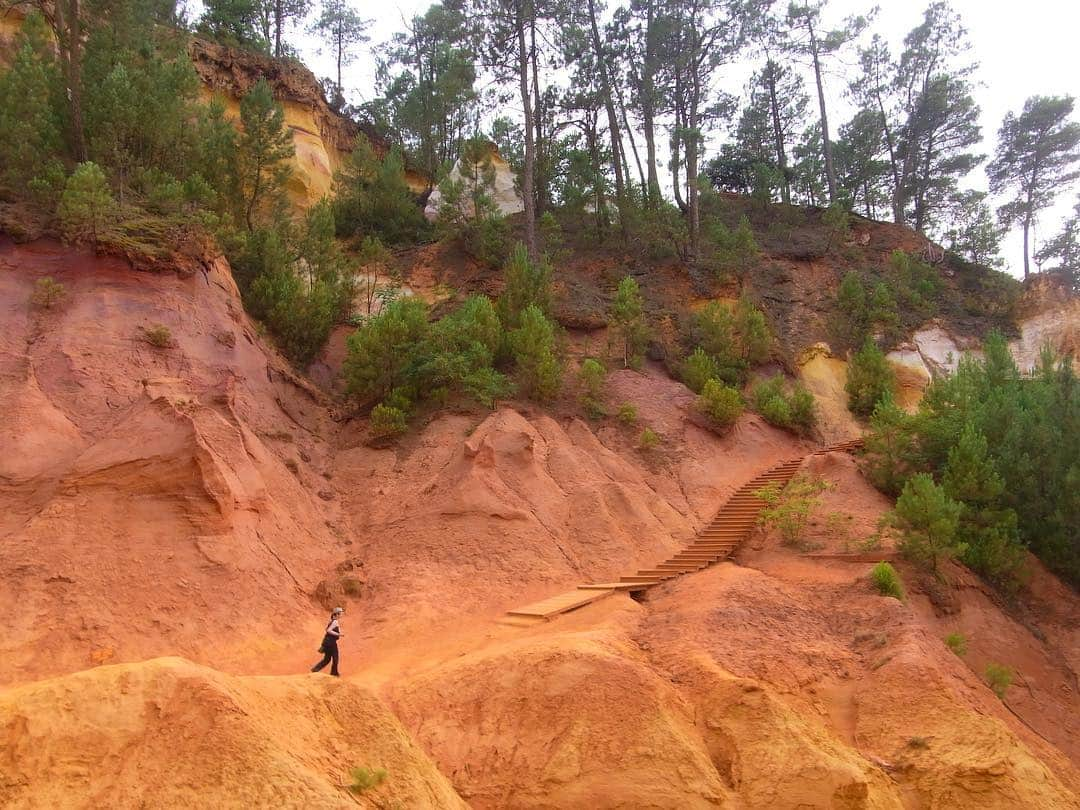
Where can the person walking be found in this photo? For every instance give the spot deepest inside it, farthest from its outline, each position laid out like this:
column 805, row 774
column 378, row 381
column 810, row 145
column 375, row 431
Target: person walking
column 329, row 643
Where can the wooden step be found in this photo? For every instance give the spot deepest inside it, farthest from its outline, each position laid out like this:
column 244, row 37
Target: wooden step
column 560, row 603
column 653, row 578
column 615, row 586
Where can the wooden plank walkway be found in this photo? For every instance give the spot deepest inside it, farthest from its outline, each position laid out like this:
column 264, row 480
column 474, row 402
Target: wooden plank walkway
column 729, row 527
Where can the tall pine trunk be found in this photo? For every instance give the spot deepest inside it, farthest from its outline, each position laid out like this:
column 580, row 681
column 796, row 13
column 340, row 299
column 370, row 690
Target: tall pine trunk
column 648, row 105
column 528, row 180
column 540, row 168
column 778, row 131
column 613, row 121
column 279, row 19
column 830, row 170
column 633, row 143
column 692, row 144
column 68, row 29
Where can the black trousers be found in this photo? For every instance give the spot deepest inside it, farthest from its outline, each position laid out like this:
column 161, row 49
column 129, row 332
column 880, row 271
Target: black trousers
column 330, row 653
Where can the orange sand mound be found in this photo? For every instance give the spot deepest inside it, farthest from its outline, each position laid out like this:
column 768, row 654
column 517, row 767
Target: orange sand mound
column 169, row 733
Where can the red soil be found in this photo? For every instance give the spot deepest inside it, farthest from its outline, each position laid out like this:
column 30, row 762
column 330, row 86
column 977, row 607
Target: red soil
column 202, row 500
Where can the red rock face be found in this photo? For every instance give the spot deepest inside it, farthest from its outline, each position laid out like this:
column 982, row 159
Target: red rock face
column 145, row 501
column 184, row 492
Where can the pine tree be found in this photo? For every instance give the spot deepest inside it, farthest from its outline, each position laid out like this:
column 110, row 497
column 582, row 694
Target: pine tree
column 264, row 146
column 928, row 520
column 988, row 530
column 87, row 209
column 425, row 78
column 30, row 127
column 591, row 376
column 216, row 155
column 937, row 117
column 1038, row 154
column 1064, row 248
column 818, row 44
column 627, row 319
column 850, row 321
column 234, row 22
column 869, row 378
column 342, row 29
column 387, row 349
column 974, row 235
column 539, row 370
column 528, row 284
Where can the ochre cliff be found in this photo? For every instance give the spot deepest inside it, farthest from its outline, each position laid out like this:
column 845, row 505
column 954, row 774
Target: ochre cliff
column 322, row 137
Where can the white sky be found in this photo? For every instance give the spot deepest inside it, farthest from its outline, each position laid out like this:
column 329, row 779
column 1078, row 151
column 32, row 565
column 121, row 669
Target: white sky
column 1022, row 49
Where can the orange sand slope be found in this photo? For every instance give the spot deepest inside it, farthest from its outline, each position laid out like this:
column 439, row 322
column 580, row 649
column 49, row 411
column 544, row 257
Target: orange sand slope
column 203, row 500
column 169, row 733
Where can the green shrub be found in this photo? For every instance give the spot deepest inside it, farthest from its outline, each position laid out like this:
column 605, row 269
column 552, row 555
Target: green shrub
column 721, row 404
column 957, row 642
column 460, row 354
column 788, row 508
column 794, row 411
column 295, row 282
column 730, row 251
column 916, row 286
column 488, row 241
column 627, row 320
column 698, row 369
column 87, row 210
column 648, row 440
column 836, row 220
column 373, row 199
column 158, row 336
column 385, row 351
column 927, row 519
column 627, row 414
column 551, row 236
column 388, row 421
column 731, row 339
column 364, row 779
column 591, row 377
column 47, row 293
column 849, row 322
column 712, row 329
column 999, row 678
column 869, row 379
column 883, row 315
column 528, row 283
column 776, row 411
column 887, row 581
column 752, row 332
column 539, row 370
column 658, row 232
column 803, row 410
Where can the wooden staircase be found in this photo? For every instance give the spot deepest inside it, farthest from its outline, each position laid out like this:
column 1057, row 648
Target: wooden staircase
column 731, row 524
